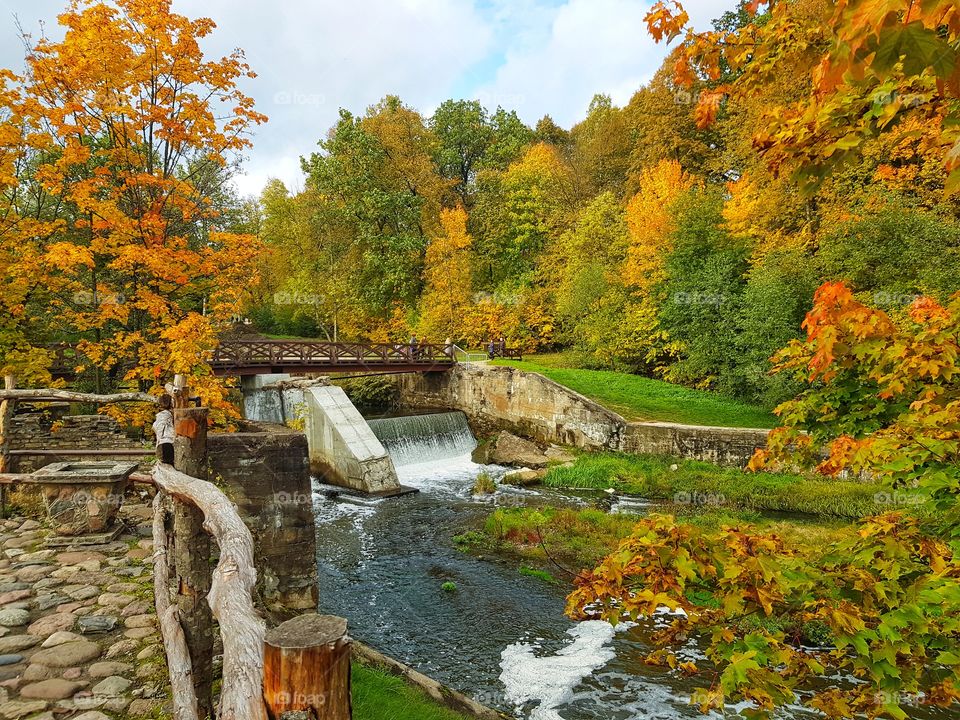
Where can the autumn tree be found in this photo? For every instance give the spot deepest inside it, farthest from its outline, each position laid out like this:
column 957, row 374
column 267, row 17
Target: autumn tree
column 882, row 395
column 377, row 182
column 447, row 297
column 128, row 130
column 873, row 66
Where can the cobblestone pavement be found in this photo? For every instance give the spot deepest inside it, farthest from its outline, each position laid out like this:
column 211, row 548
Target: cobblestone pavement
column 78, row 630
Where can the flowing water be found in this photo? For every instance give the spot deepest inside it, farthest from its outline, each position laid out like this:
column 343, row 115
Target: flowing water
column 500, row 637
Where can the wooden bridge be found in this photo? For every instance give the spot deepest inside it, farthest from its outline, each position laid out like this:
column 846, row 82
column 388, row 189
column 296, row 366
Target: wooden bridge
column 260, row 357
column 265, row 357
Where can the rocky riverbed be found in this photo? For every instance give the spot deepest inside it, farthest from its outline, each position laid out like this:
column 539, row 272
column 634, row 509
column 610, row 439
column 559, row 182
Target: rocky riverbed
column 78, row 631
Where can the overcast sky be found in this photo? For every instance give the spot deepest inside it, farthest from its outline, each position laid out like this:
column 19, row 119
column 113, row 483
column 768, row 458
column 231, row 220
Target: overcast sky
column 314, row 56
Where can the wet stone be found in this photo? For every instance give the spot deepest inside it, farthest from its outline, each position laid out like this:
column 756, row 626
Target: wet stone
column 92, row 624
column 10, row 659
column 112, row 686
column 122, row 648
column 45, row 602
column 16, row 709
column 59, row 638
column 108, row 668
column 35, row 672
column 48, row 625
column 14, row 595
column 13, row 644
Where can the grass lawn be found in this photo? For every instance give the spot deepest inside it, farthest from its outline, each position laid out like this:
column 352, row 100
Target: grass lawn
column 378, row 695
column 640, row 398
column 700, row 483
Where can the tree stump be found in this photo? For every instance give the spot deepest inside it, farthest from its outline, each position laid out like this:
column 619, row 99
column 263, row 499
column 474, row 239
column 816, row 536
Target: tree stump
column 307, row 668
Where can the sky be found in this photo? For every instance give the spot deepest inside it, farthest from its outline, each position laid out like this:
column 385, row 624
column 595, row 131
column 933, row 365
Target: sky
column 312, row 57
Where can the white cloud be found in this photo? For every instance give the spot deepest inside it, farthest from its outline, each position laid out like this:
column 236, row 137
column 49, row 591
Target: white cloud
column 315, row 56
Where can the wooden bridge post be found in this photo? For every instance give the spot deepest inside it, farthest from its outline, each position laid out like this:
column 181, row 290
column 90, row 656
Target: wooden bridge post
column 191, row 554
column 306, row 667
column 6, row 422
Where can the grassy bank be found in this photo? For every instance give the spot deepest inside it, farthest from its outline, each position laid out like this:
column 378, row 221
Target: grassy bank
column 378, row 695
column 574, row 539
column 640, row 398
column 695, row 483
column 579, row 539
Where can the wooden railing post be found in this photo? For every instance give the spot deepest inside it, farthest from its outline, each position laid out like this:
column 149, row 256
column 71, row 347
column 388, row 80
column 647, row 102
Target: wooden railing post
column 306, row 668
column 7, row 406
column 191, row 554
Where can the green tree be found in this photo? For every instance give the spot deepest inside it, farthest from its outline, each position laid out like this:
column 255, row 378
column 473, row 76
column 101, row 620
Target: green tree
column 703, row 294
column 464, row 134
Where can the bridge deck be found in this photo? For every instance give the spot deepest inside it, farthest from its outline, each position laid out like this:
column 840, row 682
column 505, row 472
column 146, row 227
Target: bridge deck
column 256, row 357
column 262, row 357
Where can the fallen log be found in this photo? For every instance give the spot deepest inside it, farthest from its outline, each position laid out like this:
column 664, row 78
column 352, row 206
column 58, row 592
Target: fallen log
column 231, row 594
column 174, row 640
column 50, row 395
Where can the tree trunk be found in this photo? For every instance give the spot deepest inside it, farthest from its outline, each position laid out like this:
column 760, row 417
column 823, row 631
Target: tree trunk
column 192, row 553
column 71, row 396
column 306, row 667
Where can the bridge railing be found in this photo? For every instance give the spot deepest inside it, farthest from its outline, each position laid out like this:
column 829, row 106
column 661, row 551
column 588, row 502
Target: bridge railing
column 307, row 353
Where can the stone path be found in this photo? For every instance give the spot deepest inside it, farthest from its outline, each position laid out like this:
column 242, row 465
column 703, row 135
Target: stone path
column 78, row 633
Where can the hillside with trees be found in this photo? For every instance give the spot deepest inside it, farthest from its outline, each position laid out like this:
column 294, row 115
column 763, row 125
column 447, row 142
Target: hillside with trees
column 653, row 238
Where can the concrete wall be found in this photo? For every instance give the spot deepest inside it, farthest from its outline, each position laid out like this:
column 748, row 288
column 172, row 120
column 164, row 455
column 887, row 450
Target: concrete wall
column 535, row 407
column 343, row 449
column 526, row 404
column 266, row 473
column 720, row 445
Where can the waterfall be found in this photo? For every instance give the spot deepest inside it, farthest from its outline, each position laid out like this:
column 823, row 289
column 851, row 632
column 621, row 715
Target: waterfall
column 418, row 439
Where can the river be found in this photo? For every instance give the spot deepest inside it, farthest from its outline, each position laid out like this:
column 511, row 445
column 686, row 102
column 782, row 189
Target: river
column 500, row 637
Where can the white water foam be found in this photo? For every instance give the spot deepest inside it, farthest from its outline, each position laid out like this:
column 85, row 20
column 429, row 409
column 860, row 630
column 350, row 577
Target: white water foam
column 551, row 679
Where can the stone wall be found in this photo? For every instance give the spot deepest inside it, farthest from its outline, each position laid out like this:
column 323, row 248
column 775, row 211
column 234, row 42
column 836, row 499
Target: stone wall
column 720, row 445
column 44, row 431
column 267, row 474
column 528, row 404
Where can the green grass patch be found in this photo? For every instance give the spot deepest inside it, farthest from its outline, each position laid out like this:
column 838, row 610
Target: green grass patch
column 695, row 483
column 378, row 695
column 539, row 574
column 639, row 398
column 579, row 539
column 573, row 539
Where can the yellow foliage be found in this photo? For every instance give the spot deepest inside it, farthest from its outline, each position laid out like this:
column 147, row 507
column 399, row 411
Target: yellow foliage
column 650, row 222
column 447, row 296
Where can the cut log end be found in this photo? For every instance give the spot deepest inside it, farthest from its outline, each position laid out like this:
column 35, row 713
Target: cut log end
column 307, row 668
column 307, row 631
